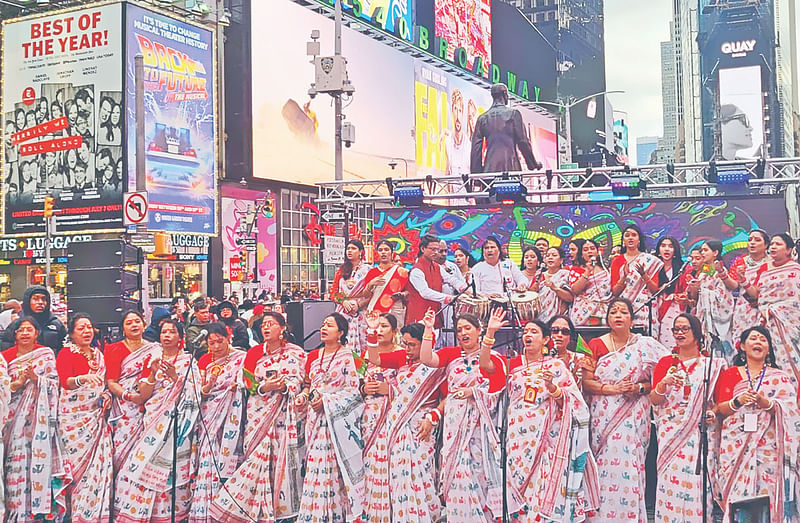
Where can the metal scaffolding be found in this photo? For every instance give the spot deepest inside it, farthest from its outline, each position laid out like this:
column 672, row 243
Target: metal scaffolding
column 565, row 185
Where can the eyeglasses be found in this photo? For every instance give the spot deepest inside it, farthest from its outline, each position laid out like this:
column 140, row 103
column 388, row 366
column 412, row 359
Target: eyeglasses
column 270, row 324
column 557, row 330
column 679, row 330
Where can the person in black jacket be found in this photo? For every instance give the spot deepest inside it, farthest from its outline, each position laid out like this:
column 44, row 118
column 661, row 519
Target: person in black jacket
column 36, row 304
column 230, row 317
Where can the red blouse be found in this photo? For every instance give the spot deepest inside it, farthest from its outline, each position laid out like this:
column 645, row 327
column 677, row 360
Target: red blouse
column 661, row 369
column 10, row 354
column 115, row 354
column 497, row 380
column 598, row 348
column 70, row 365
column 314, row 354
column 616, row 270
column 726, row 383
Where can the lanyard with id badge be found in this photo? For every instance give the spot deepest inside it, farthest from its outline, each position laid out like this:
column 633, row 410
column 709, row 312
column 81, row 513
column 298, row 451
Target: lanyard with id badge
column 750, row 417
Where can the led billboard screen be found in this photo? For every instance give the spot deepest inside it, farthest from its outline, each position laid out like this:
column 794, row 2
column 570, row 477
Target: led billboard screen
column 465, row 24
column 62, row 112
column 741, row 113
column 293, row 134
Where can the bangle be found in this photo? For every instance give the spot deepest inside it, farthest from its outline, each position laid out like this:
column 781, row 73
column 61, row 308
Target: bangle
column 655, row 389
column 489, row 341
column 731, row 405
column 77, row 381
column 427, row 337
column 557, row 393
column 736, row 403
column 770, row 405
column 434, row 417
column 602, row 388
column 260, row 390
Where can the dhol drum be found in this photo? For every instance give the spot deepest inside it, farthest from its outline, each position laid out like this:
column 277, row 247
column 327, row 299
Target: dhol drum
column 478, row 307
column 526, row 305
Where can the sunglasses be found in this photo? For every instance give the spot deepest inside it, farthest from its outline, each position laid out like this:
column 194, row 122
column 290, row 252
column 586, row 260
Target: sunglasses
column 558, row 330
column 742, row 118
column 679, row 330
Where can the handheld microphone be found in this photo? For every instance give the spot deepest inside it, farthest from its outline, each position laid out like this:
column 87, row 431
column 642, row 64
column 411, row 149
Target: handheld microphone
column 200, row 337
column 474, row 293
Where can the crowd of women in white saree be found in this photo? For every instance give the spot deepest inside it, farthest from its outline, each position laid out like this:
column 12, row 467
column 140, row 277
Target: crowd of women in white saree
column 386, row 422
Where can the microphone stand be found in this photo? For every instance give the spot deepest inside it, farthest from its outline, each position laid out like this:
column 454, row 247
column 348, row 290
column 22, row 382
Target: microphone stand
column 505, row 402
column 702, row 451
column 656, row 295
column 174, row 415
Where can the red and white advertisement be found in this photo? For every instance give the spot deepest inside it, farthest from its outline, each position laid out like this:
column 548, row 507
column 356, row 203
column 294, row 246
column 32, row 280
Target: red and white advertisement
column 63, row 117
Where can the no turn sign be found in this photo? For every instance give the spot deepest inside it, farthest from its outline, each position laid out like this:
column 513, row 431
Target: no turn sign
column 135, row 208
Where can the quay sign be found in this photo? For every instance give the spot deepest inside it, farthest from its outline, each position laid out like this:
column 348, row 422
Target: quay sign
column 738, row 49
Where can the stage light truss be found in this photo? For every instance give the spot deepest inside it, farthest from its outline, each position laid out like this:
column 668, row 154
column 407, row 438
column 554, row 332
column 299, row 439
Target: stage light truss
column 661, row 181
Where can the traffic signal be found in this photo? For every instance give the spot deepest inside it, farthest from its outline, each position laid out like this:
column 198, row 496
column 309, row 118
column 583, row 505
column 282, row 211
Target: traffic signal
column 162, row 247
column 49, row 202
column 269, row 208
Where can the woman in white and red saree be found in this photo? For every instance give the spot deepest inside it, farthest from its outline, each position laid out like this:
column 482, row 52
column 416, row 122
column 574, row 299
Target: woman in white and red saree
column 85, row 433
column 127, row 362
column 617, row 389
column 634, row 273
column 267, row 485
column 36, row 475
column 678, row 396
column 222, row 414
column 144, row 481
column 760, row 434
column 549, row 460
column 384, row 283
column 470, row 476
column 333, row 487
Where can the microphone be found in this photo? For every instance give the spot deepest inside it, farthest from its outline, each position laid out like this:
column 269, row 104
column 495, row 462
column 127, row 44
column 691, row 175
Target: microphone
column 200, row 337
column 474, row 293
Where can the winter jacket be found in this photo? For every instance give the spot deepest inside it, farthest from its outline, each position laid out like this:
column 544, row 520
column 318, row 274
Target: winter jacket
column 241, row 338
column 52, row 331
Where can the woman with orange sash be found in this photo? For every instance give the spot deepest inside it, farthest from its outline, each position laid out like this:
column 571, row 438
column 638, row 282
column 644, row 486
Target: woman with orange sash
column 385, row 283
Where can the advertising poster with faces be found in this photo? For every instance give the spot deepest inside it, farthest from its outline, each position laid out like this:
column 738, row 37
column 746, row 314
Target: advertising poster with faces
column 741, row 113
column 62, row 120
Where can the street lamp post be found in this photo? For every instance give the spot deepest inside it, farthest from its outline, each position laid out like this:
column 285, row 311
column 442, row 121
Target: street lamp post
column 567, row 107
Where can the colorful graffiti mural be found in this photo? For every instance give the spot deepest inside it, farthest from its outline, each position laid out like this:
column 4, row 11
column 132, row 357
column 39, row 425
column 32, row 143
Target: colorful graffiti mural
column 235, row 205
column 689, row 221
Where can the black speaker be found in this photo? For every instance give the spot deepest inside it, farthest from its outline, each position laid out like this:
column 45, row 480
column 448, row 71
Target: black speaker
column 102, row 253
column 97, row 281
column 750, row 510
column 106, row 310
column 304, row 319
column 108, row 281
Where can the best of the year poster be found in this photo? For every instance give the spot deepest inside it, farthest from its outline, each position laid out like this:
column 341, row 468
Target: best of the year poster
column 180, row 120
column 62, row 113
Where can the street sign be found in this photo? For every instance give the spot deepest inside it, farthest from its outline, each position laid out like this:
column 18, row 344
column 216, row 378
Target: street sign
column 134, row 208
column 251, row 248
column 336, row 215
column 333, row 254
column 144, row 240
column 245, row 241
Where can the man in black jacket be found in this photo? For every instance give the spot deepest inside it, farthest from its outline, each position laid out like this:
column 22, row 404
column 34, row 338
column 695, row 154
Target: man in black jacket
column 230, row 317
column 200, row 320
column 36, row 304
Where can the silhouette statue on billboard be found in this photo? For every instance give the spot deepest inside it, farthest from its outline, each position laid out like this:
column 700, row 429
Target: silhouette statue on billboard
column 504, row 131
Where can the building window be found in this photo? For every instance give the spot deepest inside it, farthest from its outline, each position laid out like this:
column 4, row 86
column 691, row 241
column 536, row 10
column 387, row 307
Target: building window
column 300, row 260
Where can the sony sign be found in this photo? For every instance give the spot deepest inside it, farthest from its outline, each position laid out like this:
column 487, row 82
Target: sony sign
column 739, row 48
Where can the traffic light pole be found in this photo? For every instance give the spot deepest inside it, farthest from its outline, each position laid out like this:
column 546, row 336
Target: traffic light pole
column 48, row 235
column 141, row 184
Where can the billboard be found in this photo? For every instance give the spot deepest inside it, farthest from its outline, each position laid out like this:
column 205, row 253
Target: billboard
column 236, row 202
column 467, row 25
column 689, row 221
column 62, row 113
column 293, row 133
column 741, row 113
column 446, row 110
column 180, row 120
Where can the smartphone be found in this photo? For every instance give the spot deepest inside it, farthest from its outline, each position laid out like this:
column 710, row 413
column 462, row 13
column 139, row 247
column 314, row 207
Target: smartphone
column 271, row 374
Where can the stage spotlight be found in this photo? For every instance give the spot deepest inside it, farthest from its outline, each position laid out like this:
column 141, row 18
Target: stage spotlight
column 627, row 185
column 733, row 176
column 409, row 195
column 508, row 190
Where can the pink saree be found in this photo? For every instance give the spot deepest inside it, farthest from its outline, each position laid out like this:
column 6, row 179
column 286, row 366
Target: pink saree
column 86, row 437
column 549, row 460
column 267, row 484
column 621, row 430
column 36, row 475
column 143, row 488
column 677, row 421
column 217, row 436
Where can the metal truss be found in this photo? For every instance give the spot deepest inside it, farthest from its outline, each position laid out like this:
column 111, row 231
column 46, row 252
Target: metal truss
column 662, row 181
